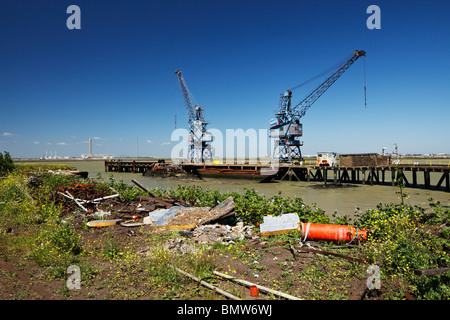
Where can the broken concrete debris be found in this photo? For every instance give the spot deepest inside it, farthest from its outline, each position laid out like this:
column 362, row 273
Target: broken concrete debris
column 203, row 223
column 106, row 210
column 211, row 233
column 208, row 234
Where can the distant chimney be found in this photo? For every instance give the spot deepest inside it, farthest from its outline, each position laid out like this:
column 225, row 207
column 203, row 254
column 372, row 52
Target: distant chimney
column 90, row 147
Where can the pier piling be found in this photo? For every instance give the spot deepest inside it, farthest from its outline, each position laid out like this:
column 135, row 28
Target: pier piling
column 310, row 173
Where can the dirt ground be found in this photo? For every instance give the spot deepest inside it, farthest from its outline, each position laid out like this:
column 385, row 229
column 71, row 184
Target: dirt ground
column 282, row 263
column 265, row 262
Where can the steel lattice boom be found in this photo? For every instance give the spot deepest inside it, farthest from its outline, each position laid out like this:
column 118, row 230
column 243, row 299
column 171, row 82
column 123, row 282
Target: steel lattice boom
column 286, row 127
column 199, row 148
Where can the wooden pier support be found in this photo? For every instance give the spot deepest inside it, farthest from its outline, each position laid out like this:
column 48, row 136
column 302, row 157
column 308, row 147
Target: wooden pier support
column 356, row 175
column 414, row 175
column 427, row 179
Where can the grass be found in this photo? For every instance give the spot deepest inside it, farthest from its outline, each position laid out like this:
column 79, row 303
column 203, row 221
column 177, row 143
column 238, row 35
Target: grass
column 40, row 167
column 36, row 235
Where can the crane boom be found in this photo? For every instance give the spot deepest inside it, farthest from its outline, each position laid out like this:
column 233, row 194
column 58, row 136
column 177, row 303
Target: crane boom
column 301, row 108
column 199, row 148
column 286, row 127
column 187, row 100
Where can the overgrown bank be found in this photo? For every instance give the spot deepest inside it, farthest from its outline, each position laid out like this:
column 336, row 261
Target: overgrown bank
column 39, row 234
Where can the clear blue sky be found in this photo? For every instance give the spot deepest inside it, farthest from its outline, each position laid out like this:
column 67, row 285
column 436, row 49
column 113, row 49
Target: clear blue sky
column 114, row 79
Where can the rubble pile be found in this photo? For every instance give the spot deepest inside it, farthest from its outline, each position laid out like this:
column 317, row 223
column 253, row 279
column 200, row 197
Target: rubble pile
column 166, row 170
column 210, row 233
column 105, row 209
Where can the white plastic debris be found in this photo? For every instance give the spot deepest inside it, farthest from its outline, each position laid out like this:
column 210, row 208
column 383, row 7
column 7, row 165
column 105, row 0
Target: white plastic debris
column 279, row 224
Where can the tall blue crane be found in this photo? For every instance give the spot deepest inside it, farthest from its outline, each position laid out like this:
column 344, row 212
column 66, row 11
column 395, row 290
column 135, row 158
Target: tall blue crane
column 199, row 140
column 286, row 127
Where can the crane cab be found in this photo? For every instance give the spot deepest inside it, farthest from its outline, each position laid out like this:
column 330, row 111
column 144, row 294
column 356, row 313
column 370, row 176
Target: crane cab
column 286, row 130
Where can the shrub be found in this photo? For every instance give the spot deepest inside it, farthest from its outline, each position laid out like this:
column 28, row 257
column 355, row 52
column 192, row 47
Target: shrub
column 13, row 188
column 6, row 163
column 400, row 241
column 250, row 206
column 56, row 244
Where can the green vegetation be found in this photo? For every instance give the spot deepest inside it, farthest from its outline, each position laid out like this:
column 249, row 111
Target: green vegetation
column 6, row 163
column 35, row 233
column 41, row 167
column 250, row 206
column 404, row 238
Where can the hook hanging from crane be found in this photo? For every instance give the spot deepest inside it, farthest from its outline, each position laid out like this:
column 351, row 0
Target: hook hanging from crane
column 365, row 94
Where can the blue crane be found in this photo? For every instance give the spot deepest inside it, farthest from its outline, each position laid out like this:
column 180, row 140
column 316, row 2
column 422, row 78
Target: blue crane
column 199, row 140
column 286, row 127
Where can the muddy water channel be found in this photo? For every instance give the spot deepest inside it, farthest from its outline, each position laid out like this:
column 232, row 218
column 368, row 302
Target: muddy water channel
column 346, row 199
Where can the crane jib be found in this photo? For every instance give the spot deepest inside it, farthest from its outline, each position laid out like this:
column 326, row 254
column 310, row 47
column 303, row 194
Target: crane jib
column 199, row 140
column 286, row 126
column 314, row 95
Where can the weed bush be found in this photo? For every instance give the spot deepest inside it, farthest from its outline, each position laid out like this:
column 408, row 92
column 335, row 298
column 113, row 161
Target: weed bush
column 250, row 206
column 400, row 241
column 6, row 163
column 56, row 246
column 13, row 188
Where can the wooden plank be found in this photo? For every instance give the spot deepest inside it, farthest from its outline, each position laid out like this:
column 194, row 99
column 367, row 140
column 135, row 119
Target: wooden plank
column 103, row 223
column 260, row 287
column 409, row 296
column 131, row 223
column 271, row 233
column 142, row 187
column 221, row 210
column 210, row 286
column 174, row 227
column 430, row 272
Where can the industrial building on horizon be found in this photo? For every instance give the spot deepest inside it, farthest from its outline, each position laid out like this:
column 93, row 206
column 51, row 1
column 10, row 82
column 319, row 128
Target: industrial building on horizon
column 90, row 155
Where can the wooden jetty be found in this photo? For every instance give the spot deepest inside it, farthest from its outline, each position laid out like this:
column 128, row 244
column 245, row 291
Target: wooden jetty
column 433, row 177
column 128, row 166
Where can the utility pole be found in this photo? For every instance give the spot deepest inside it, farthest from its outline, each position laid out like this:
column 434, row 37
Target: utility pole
column 137, row 153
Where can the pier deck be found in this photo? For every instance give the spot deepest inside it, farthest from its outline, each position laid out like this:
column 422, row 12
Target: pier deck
column 433, row 177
